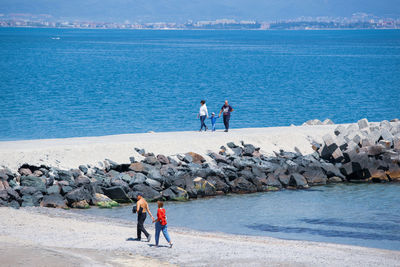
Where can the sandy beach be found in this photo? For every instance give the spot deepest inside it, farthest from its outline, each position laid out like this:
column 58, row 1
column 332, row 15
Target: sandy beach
column 51, row 237
column 71, row 152
column 55, row 237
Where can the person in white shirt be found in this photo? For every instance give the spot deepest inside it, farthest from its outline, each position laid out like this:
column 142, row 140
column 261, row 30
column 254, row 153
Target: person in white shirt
column 203, row 114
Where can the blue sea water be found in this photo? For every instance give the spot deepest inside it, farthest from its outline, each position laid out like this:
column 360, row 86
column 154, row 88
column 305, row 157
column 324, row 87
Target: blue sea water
column 357, row 214
column 58, row 83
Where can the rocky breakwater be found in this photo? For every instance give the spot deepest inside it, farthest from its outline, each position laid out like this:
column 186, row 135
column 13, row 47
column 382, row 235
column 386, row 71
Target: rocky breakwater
column 367, row 152
column 364, row 151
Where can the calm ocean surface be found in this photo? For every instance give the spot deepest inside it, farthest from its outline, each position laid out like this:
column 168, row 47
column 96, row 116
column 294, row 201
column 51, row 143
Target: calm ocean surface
column 64, row 82
column 357, row 214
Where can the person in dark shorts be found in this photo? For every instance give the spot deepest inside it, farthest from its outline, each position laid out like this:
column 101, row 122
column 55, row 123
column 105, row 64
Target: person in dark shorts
column 142, row 207
column 226, row 110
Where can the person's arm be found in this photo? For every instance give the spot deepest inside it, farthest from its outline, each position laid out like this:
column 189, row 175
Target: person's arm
column 206, row 112
column 219, row 115
column 232, row 109
column 148, row 210
column 158, row 216
column 137, row 207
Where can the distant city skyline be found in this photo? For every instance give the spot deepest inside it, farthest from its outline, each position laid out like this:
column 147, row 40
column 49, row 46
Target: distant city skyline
column 180, row 11
column 356, row 21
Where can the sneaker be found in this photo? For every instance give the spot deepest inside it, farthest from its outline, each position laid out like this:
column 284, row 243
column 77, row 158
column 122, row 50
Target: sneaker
column 226, row 131
column 149, row 238
column 170, row 245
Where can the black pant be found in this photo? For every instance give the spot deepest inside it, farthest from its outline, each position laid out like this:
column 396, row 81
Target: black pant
column 202, row 119
column 140, row 227
column 226, row 121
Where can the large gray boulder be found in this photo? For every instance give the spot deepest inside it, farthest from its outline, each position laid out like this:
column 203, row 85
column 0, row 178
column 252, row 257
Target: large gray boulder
column 138, row 178
column 148, row 193
column 119, row 182
column 315, row 176
column 331, row 170
column 62, row 175
column 80, row 193
column 81, row 181
column 273, row 181
column 54, row 201
column 163, row 159
column 32, row 200
column 218, row 158
column 219, row 184
column 13, row 195
column 156, row 185
column 196, row 158
column 4, row 195
column 284, row 179
column 155, row 174
column 33, row 181
column 117, row 193
column 248, row 150
column 54, row 189
column 298, row 180
column 363, row 124
column 175, row 193
column 204, row 187
column 242, row 186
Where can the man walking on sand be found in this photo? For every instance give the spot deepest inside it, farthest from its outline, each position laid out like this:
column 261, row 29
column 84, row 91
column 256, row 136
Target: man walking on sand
column 226, row 110
column 141, row 208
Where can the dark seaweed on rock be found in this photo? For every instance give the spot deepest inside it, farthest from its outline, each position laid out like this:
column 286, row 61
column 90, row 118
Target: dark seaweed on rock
column 362, row 152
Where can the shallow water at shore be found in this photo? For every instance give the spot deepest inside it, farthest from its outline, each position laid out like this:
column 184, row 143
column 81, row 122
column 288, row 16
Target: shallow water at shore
column 357, row 214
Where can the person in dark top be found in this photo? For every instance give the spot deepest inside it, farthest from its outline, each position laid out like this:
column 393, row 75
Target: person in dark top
column 142, row 207
column 226, row 110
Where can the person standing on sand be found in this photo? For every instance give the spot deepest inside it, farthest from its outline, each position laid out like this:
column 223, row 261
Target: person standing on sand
column 226, row 110
column 203, row 114
column 141, row 208
column 161, row 224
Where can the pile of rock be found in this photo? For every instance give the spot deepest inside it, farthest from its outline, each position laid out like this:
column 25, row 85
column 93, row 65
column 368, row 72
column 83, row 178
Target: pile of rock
column 364, row 151
column 318, row 122
column 360, row 152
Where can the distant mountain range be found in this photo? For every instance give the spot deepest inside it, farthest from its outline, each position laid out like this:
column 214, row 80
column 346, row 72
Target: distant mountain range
column 183, row 10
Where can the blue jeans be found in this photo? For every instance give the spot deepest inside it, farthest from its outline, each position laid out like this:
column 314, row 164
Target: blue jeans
column 213, row 127
column 164, row 229
column 202, row 119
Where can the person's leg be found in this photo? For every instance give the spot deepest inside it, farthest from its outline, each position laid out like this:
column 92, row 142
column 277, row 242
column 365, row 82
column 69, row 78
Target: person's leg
column 144, row 230
column 202, row 118
column 228, row 117
column 139, row 226
column 158, row 229
column 141, row 219
column 165, row 233
column 213, row 127
column 225, row 122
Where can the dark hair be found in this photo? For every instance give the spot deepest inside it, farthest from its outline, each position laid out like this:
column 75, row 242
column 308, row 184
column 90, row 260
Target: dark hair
column 160, row 203
column 202, row 102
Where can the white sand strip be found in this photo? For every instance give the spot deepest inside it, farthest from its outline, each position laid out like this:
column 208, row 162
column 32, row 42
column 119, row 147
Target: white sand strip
column 71, row 152
column 78, row 235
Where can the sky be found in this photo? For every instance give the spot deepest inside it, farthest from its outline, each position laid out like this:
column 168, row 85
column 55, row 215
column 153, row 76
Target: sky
column 183, row 10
